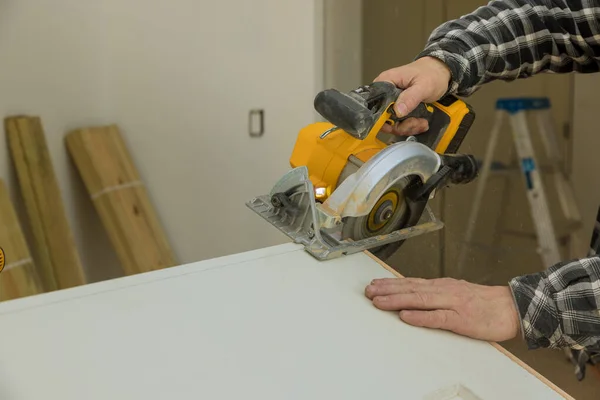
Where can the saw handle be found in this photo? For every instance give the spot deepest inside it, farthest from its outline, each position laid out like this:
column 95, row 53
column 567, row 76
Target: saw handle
column 359, row 110
column 422, row 110
column 349, row 112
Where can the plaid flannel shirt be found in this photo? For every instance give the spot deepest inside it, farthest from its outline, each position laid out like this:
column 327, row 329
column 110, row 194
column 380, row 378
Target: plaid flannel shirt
column 515, row 39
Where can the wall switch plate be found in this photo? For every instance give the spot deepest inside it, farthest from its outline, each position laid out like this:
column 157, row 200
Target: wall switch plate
column 256, row 122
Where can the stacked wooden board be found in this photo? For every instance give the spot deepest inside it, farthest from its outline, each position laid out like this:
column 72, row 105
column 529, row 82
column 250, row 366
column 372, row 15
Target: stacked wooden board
column 19, row 278
column 59, row 263
column 115, row 188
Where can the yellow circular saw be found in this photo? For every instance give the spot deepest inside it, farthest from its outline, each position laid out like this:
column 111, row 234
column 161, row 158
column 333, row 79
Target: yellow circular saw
column 351, row 189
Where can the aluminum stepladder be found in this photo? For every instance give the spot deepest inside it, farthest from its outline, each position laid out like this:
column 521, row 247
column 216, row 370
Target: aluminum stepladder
column 517, row 110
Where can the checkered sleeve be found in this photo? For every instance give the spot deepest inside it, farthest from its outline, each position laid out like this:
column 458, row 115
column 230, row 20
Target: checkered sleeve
column 515, row 39
column 560, row 307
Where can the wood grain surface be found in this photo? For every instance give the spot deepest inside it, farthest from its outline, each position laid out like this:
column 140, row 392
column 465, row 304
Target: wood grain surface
column 55, row 253
column 19, row 277
column 116, row 188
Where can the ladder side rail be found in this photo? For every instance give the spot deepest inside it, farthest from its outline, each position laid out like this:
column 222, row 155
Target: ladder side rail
column 535, row 190
column 566, row 195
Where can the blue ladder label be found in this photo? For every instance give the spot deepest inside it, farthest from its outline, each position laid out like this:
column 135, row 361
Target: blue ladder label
column 528, row 167
column 514, row 105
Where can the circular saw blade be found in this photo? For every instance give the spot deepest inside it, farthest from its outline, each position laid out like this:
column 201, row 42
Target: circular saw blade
column 389, row 214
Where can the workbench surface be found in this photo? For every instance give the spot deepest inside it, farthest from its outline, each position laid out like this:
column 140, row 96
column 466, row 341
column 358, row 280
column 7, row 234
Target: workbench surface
column 271, row 324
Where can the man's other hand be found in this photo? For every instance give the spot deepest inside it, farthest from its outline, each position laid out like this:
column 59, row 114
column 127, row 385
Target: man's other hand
column 424, row 80
column 480, row 312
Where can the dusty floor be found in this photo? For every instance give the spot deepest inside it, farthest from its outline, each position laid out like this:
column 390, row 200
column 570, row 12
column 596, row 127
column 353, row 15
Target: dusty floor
column 550, row 363
column 556, row 368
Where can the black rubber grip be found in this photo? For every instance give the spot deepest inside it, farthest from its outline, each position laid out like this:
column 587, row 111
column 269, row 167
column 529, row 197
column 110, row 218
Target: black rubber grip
column 438, row 123
column 420, row 111
column 343, row 111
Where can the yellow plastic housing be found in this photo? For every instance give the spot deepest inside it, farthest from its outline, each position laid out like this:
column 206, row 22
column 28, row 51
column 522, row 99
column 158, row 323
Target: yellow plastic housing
column 326, row 158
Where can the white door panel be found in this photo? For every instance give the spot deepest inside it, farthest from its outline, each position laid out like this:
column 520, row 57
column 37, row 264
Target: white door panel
column 305, row 331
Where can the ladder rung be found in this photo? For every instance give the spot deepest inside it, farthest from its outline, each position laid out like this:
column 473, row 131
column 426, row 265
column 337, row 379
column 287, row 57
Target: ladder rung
column 498, row 167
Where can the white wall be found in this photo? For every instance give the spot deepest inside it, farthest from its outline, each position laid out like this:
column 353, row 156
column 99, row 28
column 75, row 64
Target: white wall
column 343, row 44
column 179, row 77
column 55, row 64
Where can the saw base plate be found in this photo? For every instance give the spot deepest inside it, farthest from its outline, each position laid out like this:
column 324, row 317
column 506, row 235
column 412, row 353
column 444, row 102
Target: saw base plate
column 305, row 222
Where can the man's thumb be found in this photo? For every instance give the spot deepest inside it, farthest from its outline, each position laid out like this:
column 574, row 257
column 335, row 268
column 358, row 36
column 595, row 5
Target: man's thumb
column 408, row 100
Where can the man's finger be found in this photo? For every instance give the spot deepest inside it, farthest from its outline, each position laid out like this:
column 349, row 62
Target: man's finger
column 411, row 126
column 419, row 300
column 436, row 319
column 387, row 128
column 413, row 281
column 399, row 281
column 399, row 76
column 372, row 291
column 409, row 99
column 377, row 284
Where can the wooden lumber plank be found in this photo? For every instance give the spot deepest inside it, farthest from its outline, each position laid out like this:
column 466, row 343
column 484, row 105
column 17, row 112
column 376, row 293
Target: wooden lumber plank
column 120, row 198
column 19, row 277
column 54, row 246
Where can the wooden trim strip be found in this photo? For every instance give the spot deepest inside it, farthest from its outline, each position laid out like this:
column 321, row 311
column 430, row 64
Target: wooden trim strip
column 495, row 345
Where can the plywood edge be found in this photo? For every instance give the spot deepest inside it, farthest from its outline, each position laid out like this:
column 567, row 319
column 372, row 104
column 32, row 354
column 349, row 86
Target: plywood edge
column 498, row 347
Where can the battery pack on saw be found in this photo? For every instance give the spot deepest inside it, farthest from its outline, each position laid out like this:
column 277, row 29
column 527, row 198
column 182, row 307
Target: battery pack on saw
column 353, row 187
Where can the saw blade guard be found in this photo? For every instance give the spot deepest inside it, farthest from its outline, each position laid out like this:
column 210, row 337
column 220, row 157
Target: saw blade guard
column 357, row 194
column 291, row 206
column 292, row 209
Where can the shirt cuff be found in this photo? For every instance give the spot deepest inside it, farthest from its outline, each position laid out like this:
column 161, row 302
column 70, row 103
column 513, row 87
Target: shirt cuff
column 451, row 56
column 521, row 330
column 559, row 306
column 537, row 311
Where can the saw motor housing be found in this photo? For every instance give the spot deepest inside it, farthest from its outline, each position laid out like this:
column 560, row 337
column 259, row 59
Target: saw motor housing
column 335, row 149
column 351, row 189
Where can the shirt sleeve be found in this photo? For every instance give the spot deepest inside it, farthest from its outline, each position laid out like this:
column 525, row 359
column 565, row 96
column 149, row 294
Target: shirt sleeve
column 560, row 307
column 514, row 39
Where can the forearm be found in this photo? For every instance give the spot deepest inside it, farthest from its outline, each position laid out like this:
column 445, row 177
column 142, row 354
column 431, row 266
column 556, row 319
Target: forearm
column 512, row 39
column 560, row 307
